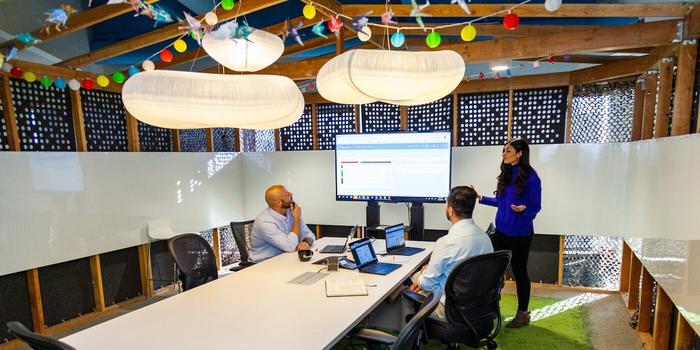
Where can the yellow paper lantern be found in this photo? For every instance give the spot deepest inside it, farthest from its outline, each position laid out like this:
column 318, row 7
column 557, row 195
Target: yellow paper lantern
column 29, row 77
column 309, row 11
column 468, row 33
column 102, row 81
column 180, row 45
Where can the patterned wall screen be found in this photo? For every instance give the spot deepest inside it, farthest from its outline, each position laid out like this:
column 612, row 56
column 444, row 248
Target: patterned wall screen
column 223, row 140
column 433, row 116
column 380, row 117
column 193, row 140
column 15, row 305
column 257, row 140
column 44, row 117
column 539, row 115
column 4, row 144
column 333, row 119
column 121, row 275
column 696, row 98
column 592, row 261
column 483, row 119
column 229, row 250
column 155, row 139
column 105, row 121
column 298, row 136
column 208, row 235
column 66, row 290
column 602, row 113
column 163, row 269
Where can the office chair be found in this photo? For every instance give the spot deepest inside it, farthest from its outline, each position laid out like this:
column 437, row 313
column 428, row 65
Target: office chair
column 409, row 338
column 194, row 258
column 241, row 234
column 36, row 341
column 472, row 292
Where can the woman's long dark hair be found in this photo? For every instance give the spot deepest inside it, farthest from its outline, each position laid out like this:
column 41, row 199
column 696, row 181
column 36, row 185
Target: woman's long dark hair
column 520, row 145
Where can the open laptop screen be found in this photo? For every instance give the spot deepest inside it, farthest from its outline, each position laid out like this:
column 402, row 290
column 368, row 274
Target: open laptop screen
column 363, row 252
column 394, row 237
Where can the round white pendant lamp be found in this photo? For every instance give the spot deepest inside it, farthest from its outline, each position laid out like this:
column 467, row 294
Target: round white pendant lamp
column 396, row 77
column 185, row 100
column 259, row 50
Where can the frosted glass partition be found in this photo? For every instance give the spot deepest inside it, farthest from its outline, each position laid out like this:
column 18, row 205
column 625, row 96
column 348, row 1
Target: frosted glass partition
column 60, row 206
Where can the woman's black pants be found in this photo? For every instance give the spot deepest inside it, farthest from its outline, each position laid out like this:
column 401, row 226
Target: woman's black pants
column 520, row 248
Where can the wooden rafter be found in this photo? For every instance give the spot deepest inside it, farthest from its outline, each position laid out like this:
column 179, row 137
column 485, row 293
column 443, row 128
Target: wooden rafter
column 497, row 30
column 337, row 8
column 535, row 10
column 168, row 32
column 622, row 68
column 65, row 73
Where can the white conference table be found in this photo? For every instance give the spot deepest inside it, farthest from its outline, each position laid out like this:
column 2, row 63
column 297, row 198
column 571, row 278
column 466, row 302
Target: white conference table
column 253, row 309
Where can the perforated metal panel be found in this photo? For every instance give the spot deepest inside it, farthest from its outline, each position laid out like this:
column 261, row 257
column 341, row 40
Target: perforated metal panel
column 15, row 303
column 257, row 140
column 155, row 139
column 333, row 119
column 223, row 140
column 298, row 136
column 592, row 261
column 696, row 98
column 539, row 115
column 105, row 121
column 483, row 119
column 121, row 275
column 602, row 113
column 4, row 144
column 44, row 117
column 66, row 291
column 433, row 116
column 193, row 140
column 227, row 244
column 380, row 117
column 162, row 265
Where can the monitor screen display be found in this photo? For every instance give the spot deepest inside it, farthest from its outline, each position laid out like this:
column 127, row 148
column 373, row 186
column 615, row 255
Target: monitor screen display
column 393, row 167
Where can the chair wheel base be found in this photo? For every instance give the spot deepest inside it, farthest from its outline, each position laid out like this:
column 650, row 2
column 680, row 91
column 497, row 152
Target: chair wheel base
column 491, row 345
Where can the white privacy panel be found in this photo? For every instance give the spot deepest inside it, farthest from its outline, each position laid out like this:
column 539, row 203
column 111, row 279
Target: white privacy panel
column 62, row 206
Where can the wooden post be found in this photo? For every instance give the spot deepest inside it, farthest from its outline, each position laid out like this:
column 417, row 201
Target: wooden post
column 644, row 325
column 35, row 301
column 638, row 113
column 569, row 114
column 145, row 267
column 625, row 268
column 318, row 231
column 510, row 114
column 216, row 247
column 664, row 103
column 278, row 144
column 237, row 140
column 683, row 100
column 78, row 121
column 132, row 133
column 635, row 271
column 97, row 287
column 340, row 41
column 685, row 335
column 314, row 125
column 9, row 114
column 176, row 139
column 650, row 80
column 357, row 119
column 662, row 320
column 210, row 139
column 403, row 118
column 455, row 120
column 560, row 270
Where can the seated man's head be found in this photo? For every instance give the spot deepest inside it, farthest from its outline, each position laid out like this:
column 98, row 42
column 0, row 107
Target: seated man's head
column 278, row 198
column 460, row 203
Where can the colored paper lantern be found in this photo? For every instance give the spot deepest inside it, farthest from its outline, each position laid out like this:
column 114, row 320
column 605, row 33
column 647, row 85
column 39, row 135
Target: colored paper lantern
column 180, row 45
column 211, row 18
column 148, row 65
column 309, row 11
column 102, row 80
column 45, row 81
column 16, row 72
column 6, row 67
column 365, row 34
column 59, row 83
column 74, row 84
column 166, row 56
column 133, row 70
column 468, row 33
column 550, row 60
column 87, row 84
column 29, row 77
column 227, row 5
column 433, row 40
column 259, row 51
column 118, row 77
column 511, row 21
column 552, row 5
column 397, row 39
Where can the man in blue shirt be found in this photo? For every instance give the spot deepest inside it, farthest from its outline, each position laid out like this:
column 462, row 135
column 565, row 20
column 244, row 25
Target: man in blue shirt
column 279, row 228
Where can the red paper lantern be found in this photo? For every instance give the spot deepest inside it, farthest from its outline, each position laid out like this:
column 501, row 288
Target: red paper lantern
column 550, row 59
column 87, row 84
column 482, row 76
column 16, row 72
column 511, row 21
column 166, row 56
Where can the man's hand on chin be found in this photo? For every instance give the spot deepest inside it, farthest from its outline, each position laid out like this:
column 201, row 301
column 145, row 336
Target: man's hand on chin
column 303, row 246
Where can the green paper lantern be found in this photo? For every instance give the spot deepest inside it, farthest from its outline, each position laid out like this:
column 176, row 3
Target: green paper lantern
column 45, row 81
column 227, row 4
column 118, row 77
column 433, row 40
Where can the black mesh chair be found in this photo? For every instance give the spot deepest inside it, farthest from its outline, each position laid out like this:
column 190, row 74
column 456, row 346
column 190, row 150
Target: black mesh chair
column 410, row 336
column 194, row 258
column 36, row 341
column 241, row 234
column 473, row 292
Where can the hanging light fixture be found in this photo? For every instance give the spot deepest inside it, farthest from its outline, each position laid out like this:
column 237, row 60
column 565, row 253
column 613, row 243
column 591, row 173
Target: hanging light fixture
column 243, row 49
column 397, row 77
column 184, row 100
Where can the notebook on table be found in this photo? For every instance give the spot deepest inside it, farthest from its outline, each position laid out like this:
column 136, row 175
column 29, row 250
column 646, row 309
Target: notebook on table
column 345, row 287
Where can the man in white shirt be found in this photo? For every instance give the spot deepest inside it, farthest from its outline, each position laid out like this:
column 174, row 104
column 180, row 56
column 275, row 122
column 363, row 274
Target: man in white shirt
column 279, row 228
column 464, row 240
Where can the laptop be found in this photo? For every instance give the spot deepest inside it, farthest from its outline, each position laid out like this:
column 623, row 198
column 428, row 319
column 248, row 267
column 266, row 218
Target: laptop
column 366, row 260
column 336, row 249
column 395, row 242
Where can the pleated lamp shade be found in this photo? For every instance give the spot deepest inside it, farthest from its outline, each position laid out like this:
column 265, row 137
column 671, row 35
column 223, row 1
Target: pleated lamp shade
column 397, row 77
column 259, row 51
column 185, row 100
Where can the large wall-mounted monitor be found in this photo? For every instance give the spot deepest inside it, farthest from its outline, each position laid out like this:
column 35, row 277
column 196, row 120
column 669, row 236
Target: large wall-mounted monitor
column 393, row 167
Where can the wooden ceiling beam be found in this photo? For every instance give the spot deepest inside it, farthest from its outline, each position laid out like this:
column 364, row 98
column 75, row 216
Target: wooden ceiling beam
column 622, row 68
column 534, row 10
column 67, row 74
column 497, row 30
column 170, row 31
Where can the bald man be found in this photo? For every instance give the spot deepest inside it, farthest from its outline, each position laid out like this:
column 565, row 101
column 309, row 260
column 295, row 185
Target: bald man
column 279, row 228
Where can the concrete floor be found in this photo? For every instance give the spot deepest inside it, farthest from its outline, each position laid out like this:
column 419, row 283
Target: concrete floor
column 607, row 318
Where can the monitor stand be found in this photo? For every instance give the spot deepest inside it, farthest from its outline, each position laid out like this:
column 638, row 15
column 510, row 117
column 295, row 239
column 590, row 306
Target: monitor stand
column 372, row 212
column 417, row 232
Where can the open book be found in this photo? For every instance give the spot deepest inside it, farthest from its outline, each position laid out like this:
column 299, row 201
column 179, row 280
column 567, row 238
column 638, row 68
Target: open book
column 345, row 287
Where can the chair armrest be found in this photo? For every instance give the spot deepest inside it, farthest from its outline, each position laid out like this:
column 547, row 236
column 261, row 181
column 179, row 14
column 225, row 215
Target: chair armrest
column 414, row 297
column 374, row 336
column 241, row 265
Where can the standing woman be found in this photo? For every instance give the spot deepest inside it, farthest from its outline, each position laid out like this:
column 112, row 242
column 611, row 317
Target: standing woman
column 518, row 199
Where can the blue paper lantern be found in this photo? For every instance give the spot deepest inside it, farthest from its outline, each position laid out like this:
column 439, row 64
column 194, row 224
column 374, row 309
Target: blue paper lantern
column 397, row 39
column 59, row 83
column 133, row 71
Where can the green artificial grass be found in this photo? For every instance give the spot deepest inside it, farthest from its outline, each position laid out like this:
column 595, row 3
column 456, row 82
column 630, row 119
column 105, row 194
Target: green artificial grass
column 563, row 330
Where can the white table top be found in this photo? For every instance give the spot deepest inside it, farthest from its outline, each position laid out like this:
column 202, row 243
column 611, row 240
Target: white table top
column 252, row 309
column 675, row 265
